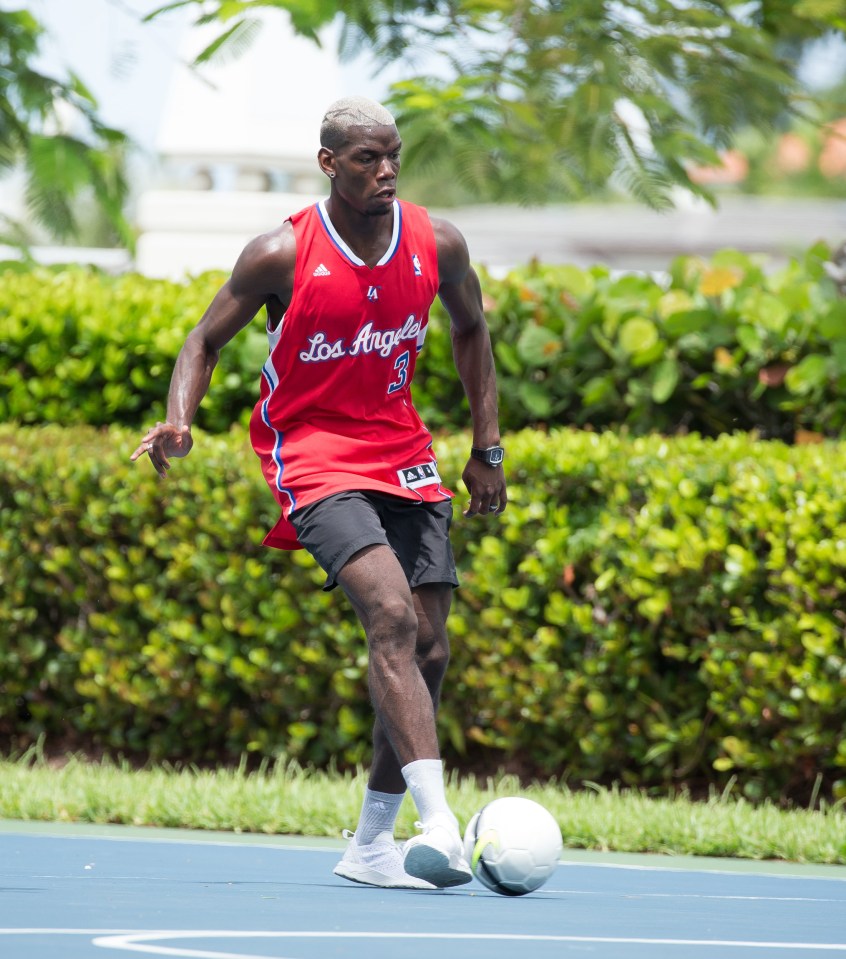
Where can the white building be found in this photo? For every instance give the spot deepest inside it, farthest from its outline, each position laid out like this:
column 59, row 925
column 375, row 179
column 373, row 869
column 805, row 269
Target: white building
column 237, row 148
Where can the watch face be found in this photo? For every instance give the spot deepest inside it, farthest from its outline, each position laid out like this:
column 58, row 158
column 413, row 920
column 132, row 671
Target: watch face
column 492, row 456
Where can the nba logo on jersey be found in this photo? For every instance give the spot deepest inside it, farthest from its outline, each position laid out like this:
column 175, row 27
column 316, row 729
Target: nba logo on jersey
column 372, row 292
column 415, row 262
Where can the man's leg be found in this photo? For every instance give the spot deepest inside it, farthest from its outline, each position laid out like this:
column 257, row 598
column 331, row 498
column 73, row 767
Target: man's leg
column 408, row 651
column 377, row 588
column 431, row 605
column 386, row 784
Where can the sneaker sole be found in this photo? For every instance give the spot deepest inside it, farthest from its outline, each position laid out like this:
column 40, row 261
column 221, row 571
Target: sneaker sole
column 369, row 877
column 434, row 866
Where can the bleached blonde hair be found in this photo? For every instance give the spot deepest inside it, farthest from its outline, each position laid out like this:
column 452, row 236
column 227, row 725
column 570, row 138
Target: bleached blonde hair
column 349, row 112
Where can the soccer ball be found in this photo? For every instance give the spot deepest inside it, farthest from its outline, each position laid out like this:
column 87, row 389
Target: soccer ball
column 513, row 845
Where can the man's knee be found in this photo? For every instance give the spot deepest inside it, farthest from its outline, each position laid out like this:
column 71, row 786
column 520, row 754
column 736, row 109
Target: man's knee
column 433, row 652
column 392, row 616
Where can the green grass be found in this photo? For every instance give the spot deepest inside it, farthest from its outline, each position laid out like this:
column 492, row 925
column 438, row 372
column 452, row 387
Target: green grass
column 286, row 799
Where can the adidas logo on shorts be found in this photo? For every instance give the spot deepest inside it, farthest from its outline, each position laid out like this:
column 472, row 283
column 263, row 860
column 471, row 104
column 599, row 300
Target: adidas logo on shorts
column 321, row 271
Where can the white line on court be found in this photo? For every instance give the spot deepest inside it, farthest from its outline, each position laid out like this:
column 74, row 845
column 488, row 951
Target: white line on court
column 707, row 866
column 604, row 894
column 134, row 940
column 142, row 942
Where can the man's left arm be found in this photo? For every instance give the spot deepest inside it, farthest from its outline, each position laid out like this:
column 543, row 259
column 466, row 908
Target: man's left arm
column 461, row 294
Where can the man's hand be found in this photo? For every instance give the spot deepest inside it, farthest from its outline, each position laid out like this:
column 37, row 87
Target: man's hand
column 487, row 488
column 162, row 441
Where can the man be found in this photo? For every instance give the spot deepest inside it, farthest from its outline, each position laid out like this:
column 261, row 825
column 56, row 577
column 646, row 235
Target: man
column 347, row 285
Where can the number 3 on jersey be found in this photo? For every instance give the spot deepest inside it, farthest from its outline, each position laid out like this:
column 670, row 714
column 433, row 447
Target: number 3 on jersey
column 401, row 366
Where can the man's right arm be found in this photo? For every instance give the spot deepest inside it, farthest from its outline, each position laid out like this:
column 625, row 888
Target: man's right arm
column 265, row 269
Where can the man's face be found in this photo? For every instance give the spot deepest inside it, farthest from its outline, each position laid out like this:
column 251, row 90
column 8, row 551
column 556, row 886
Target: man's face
column 366, row 169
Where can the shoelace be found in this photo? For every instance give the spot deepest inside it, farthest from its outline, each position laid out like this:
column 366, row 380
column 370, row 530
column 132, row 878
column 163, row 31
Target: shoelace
column 422, row 827
column 349, row 835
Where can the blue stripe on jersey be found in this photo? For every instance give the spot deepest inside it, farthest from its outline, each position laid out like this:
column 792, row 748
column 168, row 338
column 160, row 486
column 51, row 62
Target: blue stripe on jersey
column 269, row 373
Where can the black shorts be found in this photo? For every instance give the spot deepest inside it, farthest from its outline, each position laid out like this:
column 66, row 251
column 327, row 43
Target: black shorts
column 335, row 528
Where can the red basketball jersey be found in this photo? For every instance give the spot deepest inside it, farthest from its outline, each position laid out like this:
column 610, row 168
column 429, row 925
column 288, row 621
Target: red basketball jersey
column 335, row 411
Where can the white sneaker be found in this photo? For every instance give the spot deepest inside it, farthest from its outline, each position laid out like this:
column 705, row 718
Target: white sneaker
column 378, row 863
column 437, row 856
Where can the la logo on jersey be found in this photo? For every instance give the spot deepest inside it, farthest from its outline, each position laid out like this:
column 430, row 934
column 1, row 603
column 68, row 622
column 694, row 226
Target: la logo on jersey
column 373, row 292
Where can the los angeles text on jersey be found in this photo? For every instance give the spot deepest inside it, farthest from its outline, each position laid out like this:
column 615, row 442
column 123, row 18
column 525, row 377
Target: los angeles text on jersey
column 367, row 340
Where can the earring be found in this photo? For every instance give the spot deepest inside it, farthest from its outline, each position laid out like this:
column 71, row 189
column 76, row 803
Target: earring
column 331, row 176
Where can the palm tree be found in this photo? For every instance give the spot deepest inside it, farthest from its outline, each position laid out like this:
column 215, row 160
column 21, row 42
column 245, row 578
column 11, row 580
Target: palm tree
column 544, row 99
column 49, row 128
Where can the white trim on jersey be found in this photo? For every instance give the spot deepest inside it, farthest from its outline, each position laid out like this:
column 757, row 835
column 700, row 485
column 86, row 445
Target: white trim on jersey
column 346, row 250
column 272, row 378
column 273, row 335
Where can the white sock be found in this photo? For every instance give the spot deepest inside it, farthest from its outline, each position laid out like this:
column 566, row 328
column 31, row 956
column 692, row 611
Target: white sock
column 378, row 814
column 425, row 779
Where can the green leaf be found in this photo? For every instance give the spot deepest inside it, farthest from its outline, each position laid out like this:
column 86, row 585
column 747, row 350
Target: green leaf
column 597, row 389
column 764, row 310
column 838, row 356
column 832, row 323
column 638, row 335
column 535, row 398
column 537, row 346
column 231, row 44
column 176, row 5
column 674, row 302
column 508, row 358
column 750, row 339
column 688, row 321
column 650, row 355
column 819, row 9
column 810, row 374
column 665, row 379
column 580, row 283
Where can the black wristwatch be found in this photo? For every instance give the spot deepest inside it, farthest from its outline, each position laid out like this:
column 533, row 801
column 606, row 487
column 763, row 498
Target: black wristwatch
column 492, row 456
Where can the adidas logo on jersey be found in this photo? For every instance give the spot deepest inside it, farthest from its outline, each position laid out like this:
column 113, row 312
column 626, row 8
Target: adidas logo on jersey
column 321, row 271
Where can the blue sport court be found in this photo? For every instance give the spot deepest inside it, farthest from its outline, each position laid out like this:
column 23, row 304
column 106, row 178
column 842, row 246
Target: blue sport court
column 72, row 891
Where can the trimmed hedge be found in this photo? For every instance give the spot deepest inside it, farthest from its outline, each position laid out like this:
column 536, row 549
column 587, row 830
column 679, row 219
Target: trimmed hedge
column 717, row 346
column 647, row 610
